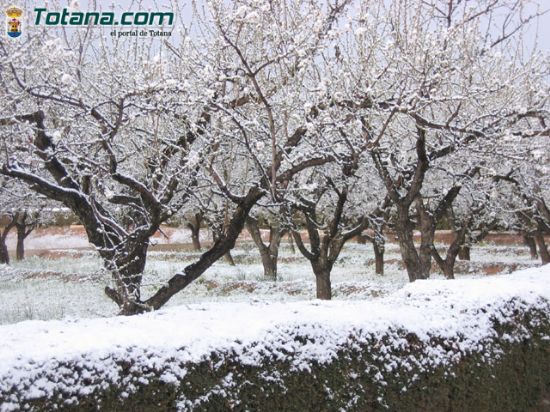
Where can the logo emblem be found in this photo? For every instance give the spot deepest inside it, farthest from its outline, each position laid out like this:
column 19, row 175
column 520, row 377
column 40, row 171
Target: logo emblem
column 14, row 21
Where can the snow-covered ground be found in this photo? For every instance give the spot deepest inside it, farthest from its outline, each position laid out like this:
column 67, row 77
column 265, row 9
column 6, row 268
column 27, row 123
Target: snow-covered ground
column 250, row 329
column 54, row 311
column 71, row 285
column 421, row 307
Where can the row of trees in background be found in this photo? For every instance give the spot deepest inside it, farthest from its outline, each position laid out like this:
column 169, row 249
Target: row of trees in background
column 327, row 118
column 21, row 211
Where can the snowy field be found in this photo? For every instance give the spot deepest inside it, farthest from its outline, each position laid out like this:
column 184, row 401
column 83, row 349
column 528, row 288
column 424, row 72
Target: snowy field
column 53, row 313
column 68, row 283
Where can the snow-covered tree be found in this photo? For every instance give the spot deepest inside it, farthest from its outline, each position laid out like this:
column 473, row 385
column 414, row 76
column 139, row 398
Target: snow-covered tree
column 121, row 132
column 328, row 204
column 23, row 211
column 114, row 132
column 434, row 78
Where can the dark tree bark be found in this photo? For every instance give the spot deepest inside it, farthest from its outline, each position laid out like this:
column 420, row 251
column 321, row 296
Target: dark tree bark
column 543, row 250
column 216, row 235
column 291, row 244
column 447, row 265
column 464, row 252
column 378, row 248
column 322, row 280
column 24, row 229
column 409, row 254
column 194, row 225
column 127, row 267
column 532, row 245
column 20, row 248
column 208, row 258
column 4, row 255
column 377, row 222
column 463, row 248
column 269, row 253
column 404, row 225
column 427, row 224
column 325, row 249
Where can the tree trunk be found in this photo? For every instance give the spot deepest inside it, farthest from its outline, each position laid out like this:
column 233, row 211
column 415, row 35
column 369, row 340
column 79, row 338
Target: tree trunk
column 4, row 255
column 447, row 265
column 291, row 244
column 268, row 253
column 543, row 251
column 378, row 257
column 532, row 245
column 228, row 258
column 195, row 238
column 24, row 226
column 227, row 255
column 193, row 271
column 20, row 249
column 448, row 268
column 270, row 266
column 322, row 281
column 464, row 252
column 411, row 260
column 127, row 270
column 427, row 237
column 425, row 255
column 194, row 226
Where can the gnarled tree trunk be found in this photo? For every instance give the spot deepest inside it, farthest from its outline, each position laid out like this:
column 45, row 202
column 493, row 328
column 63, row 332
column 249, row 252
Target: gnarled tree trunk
column 404, row 226
column 325, row 249
column 322, row 280
column 447, row 265
column 126, row 267
column 269, row 253
column 378, row 246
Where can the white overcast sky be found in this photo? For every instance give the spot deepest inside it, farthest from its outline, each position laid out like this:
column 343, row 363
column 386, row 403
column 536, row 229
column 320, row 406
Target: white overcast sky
column 183, row 12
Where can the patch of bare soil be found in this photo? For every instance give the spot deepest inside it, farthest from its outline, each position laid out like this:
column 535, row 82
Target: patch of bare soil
column 53, row 275
column 57, row 253
column 488, row 268
column 239, row 287
column 210, row 284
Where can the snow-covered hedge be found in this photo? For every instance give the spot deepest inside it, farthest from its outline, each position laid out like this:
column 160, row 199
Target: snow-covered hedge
column 479, row 344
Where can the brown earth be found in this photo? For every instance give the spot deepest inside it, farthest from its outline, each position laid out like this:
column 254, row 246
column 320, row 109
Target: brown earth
column 442, row 236
column 166, row 233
